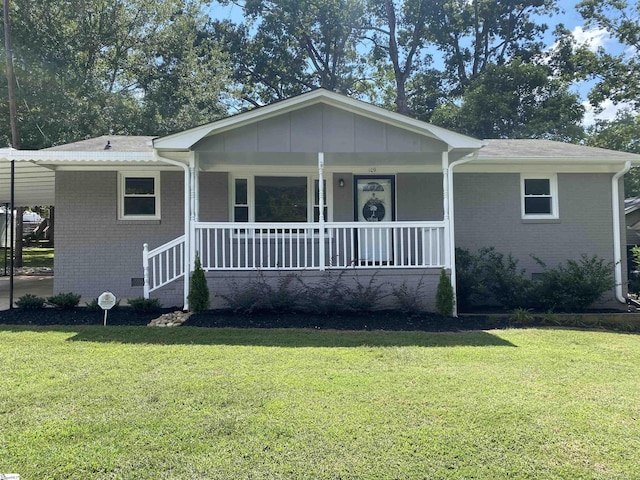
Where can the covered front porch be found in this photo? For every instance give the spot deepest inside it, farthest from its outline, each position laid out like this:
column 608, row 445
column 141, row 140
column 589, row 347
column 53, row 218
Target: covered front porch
column 314, row 183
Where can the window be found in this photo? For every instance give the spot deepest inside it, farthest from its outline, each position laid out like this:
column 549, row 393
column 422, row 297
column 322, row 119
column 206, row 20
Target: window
column 539, row 197
column 139, row 196
column 276, row 199
column 241, row 203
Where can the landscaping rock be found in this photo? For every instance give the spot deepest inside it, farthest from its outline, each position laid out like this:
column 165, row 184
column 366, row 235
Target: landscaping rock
column 172, row 319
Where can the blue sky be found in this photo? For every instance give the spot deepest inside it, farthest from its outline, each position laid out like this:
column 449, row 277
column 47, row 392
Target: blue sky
column 568, row 16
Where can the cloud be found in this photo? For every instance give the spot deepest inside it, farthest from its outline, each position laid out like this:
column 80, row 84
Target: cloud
column 609, row 111
column 593, row 38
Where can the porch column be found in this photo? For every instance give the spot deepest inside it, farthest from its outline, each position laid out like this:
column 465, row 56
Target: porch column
column 445, row 208
column 321, row 253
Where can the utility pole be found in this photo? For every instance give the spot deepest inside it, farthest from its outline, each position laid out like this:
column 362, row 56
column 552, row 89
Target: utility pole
column 15, row 138
column 11, row 79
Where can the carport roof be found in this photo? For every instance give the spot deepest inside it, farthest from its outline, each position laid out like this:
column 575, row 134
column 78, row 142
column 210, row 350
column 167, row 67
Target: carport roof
column 35, row 169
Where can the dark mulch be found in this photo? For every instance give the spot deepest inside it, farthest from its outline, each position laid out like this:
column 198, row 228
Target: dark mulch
column 77, row 316
column 383, row 320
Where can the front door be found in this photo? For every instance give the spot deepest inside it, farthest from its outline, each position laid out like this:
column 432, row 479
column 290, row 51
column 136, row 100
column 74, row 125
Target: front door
column 374, row 203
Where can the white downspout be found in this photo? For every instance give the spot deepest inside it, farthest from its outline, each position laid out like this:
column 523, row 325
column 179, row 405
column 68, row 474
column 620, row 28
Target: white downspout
column 617, row 241
column 187, row 220
column 452, row 236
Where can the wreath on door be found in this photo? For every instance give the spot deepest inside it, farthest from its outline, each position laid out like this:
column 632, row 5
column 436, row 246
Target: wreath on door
column 373, row 210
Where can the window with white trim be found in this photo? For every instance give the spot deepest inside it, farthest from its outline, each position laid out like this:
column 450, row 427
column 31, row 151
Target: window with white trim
column 139, row 196
column 539, row 196
column 276, row 198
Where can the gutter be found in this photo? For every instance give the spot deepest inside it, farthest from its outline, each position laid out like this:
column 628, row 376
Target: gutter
column 452, row 236
column 187, row 220
column 617, row 241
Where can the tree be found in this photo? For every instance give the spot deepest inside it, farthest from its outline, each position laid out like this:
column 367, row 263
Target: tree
column 476, row 34
column 623, row 134
column 90, row 67
column 290, row 46
column 514, row 100
column 397, row 31
column 619, row 75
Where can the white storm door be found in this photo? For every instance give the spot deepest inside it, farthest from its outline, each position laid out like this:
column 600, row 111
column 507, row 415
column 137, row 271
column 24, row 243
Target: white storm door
column 375, row 204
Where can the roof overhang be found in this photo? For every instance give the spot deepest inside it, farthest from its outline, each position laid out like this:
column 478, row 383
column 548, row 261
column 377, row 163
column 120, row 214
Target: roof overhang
column 185, row 140
column 34, row 171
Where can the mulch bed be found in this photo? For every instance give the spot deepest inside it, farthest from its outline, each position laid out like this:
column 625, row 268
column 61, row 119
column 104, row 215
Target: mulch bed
column 382, row 320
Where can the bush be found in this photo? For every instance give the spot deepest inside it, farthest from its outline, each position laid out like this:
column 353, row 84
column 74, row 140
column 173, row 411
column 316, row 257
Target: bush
column 30, row 302
column 408, row 300
column 64, row 301
column 145, row 305
column 469, row 278
column 326, row 296
column 444, row 295
column 198, row 290
column 364, row 297
column 258, row 295
column 570, row 287
column 506, row 282
column 575, row 285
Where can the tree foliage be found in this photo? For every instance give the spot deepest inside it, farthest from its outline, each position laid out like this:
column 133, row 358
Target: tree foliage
column 619, row 75
column 91, row 67
column 514, row 100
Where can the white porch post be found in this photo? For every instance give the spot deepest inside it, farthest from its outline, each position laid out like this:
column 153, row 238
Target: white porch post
column 321, row 252
column 145, row 269
column 191, row 244
column 445, row 207
column 450, row 254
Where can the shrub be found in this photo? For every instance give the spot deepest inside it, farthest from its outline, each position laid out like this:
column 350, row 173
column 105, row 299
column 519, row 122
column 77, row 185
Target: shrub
column 575, row 285
column 64, row 301
column 198, row 290
column 470, row 286
column 409, row 300
column 145, row 305
column 364, row 297
column 505, row 281
column 444, row 295
column 257, row 294
column 30, row 302
column 326, row 296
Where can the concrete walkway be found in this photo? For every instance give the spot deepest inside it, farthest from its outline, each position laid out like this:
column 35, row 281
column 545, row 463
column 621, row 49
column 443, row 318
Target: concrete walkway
column 41, row 286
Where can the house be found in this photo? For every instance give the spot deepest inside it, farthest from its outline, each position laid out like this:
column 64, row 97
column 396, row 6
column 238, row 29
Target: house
column 313, row 184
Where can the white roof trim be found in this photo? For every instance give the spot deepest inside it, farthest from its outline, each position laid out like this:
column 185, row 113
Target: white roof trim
column 185, row 140
column 56, row 156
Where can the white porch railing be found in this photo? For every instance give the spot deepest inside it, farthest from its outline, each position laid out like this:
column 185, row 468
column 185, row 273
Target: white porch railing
column 299, row 246
column 163, row 264
column 295, row 246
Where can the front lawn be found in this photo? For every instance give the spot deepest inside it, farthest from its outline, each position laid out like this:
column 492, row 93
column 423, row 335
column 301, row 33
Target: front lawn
column 89, row 402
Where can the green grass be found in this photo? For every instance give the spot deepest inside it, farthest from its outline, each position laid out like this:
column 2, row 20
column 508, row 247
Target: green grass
column 186, row 403
column 31, row 257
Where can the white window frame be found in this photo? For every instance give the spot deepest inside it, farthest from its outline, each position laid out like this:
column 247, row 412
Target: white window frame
column 553, row 194
column 122, row 178
column 311, row 179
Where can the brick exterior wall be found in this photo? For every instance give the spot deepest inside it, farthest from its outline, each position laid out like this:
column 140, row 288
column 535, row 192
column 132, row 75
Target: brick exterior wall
column 94, row 250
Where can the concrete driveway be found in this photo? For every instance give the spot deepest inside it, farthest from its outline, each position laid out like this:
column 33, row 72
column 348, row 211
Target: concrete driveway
column 41, row 286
